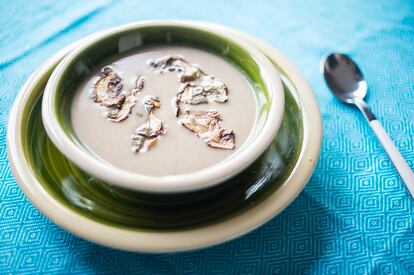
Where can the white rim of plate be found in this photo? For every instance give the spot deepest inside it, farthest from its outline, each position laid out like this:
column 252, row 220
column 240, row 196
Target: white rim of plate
column 186, row 239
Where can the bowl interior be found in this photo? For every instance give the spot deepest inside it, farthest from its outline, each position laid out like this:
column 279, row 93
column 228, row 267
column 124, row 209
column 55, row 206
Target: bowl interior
column 123, row 42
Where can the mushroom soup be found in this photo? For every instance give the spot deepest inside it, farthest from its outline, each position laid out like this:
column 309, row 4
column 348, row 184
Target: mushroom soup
column 164, row 110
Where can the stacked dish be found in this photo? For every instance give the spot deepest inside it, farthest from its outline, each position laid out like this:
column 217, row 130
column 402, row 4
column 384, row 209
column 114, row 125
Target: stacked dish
column 210, row 184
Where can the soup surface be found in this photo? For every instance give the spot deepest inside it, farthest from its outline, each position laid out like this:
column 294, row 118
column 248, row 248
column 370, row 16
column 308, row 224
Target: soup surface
column 175, row 149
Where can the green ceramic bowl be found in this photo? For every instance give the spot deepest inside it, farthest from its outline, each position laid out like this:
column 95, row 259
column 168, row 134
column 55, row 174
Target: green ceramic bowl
column 75, row 67
column 119, row 218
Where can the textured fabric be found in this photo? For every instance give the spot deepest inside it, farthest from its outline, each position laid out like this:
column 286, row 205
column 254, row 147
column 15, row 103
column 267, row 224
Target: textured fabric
column 354, row 216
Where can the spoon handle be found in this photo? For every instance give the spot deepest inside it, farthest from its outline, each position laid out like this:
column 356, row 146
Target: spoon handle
column 399, row 162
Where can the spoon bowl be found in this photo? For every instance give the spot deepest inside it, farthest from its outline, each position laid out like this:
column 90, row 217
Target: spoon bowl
column 344, row 78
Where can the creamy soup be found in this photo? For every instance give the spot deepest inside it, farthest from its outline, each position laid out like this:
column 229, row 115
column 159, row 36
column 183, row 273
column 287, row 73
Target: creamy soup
column 156, row 95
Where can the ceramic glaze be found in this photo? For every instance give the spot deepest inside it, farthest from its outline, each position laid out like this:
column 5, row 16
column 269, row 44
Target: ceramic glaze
column 93, row 56
column 179, row 151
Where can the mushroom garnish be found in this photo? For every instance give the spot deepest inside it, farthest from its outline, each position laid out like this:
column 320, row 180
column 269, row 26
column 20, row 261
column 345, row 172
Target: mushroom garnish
column 186, row 71
column 139, row 85
column 148, row 133
column 207, row 127
column 197, row 88
column 151, row 102
column 152, row 128
column 142, row 144
column 118, row 115
column 208, row 89
column 122, row 112
column 107, row 90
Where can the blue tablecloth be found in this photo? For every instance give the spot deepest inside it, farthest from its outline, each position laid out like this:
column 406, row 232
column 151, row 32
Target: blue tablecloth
column 354, row 216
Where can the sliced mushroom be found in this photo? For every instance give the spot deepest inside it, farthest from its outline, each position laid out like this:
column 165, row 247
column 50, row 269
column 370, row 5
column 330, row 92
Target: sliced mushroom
column 139, row 85
column 148, row 133
column 207, row 90
column 176, row 106
column 214, row 89
column 141, row 144
column 207, row 127
column 107, row 90
column 137, row 143
column 152, row 128
column 150, row 102
column 121, row 112
column 198, row 87
column 191, row 93
column 186, row 71
column 118, row 115
column 223, row 139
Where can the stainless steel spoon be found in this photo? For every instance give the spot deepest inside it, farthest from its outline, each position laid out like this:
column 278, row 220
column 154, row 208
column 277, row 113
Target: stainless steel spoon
column 347, row 83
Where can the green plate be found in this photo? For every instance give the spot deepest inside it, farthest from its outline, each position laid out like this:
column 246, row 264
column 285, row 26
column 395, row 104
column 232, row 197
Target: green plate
column 141, row 222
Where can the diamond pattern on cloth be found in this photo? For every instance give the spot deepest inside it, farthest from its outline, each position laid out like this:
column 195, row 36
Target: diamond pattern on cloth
column 353, row 217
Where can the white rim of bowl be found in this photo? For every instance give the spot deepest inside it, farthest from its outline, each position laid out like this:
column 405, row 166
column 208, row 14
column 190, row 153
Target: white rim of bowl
column 183, row 240
column 201, row 179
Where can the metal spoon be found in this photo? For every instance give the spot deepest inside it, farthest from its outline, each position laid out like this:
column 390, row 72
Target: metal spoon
column 347, row 83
